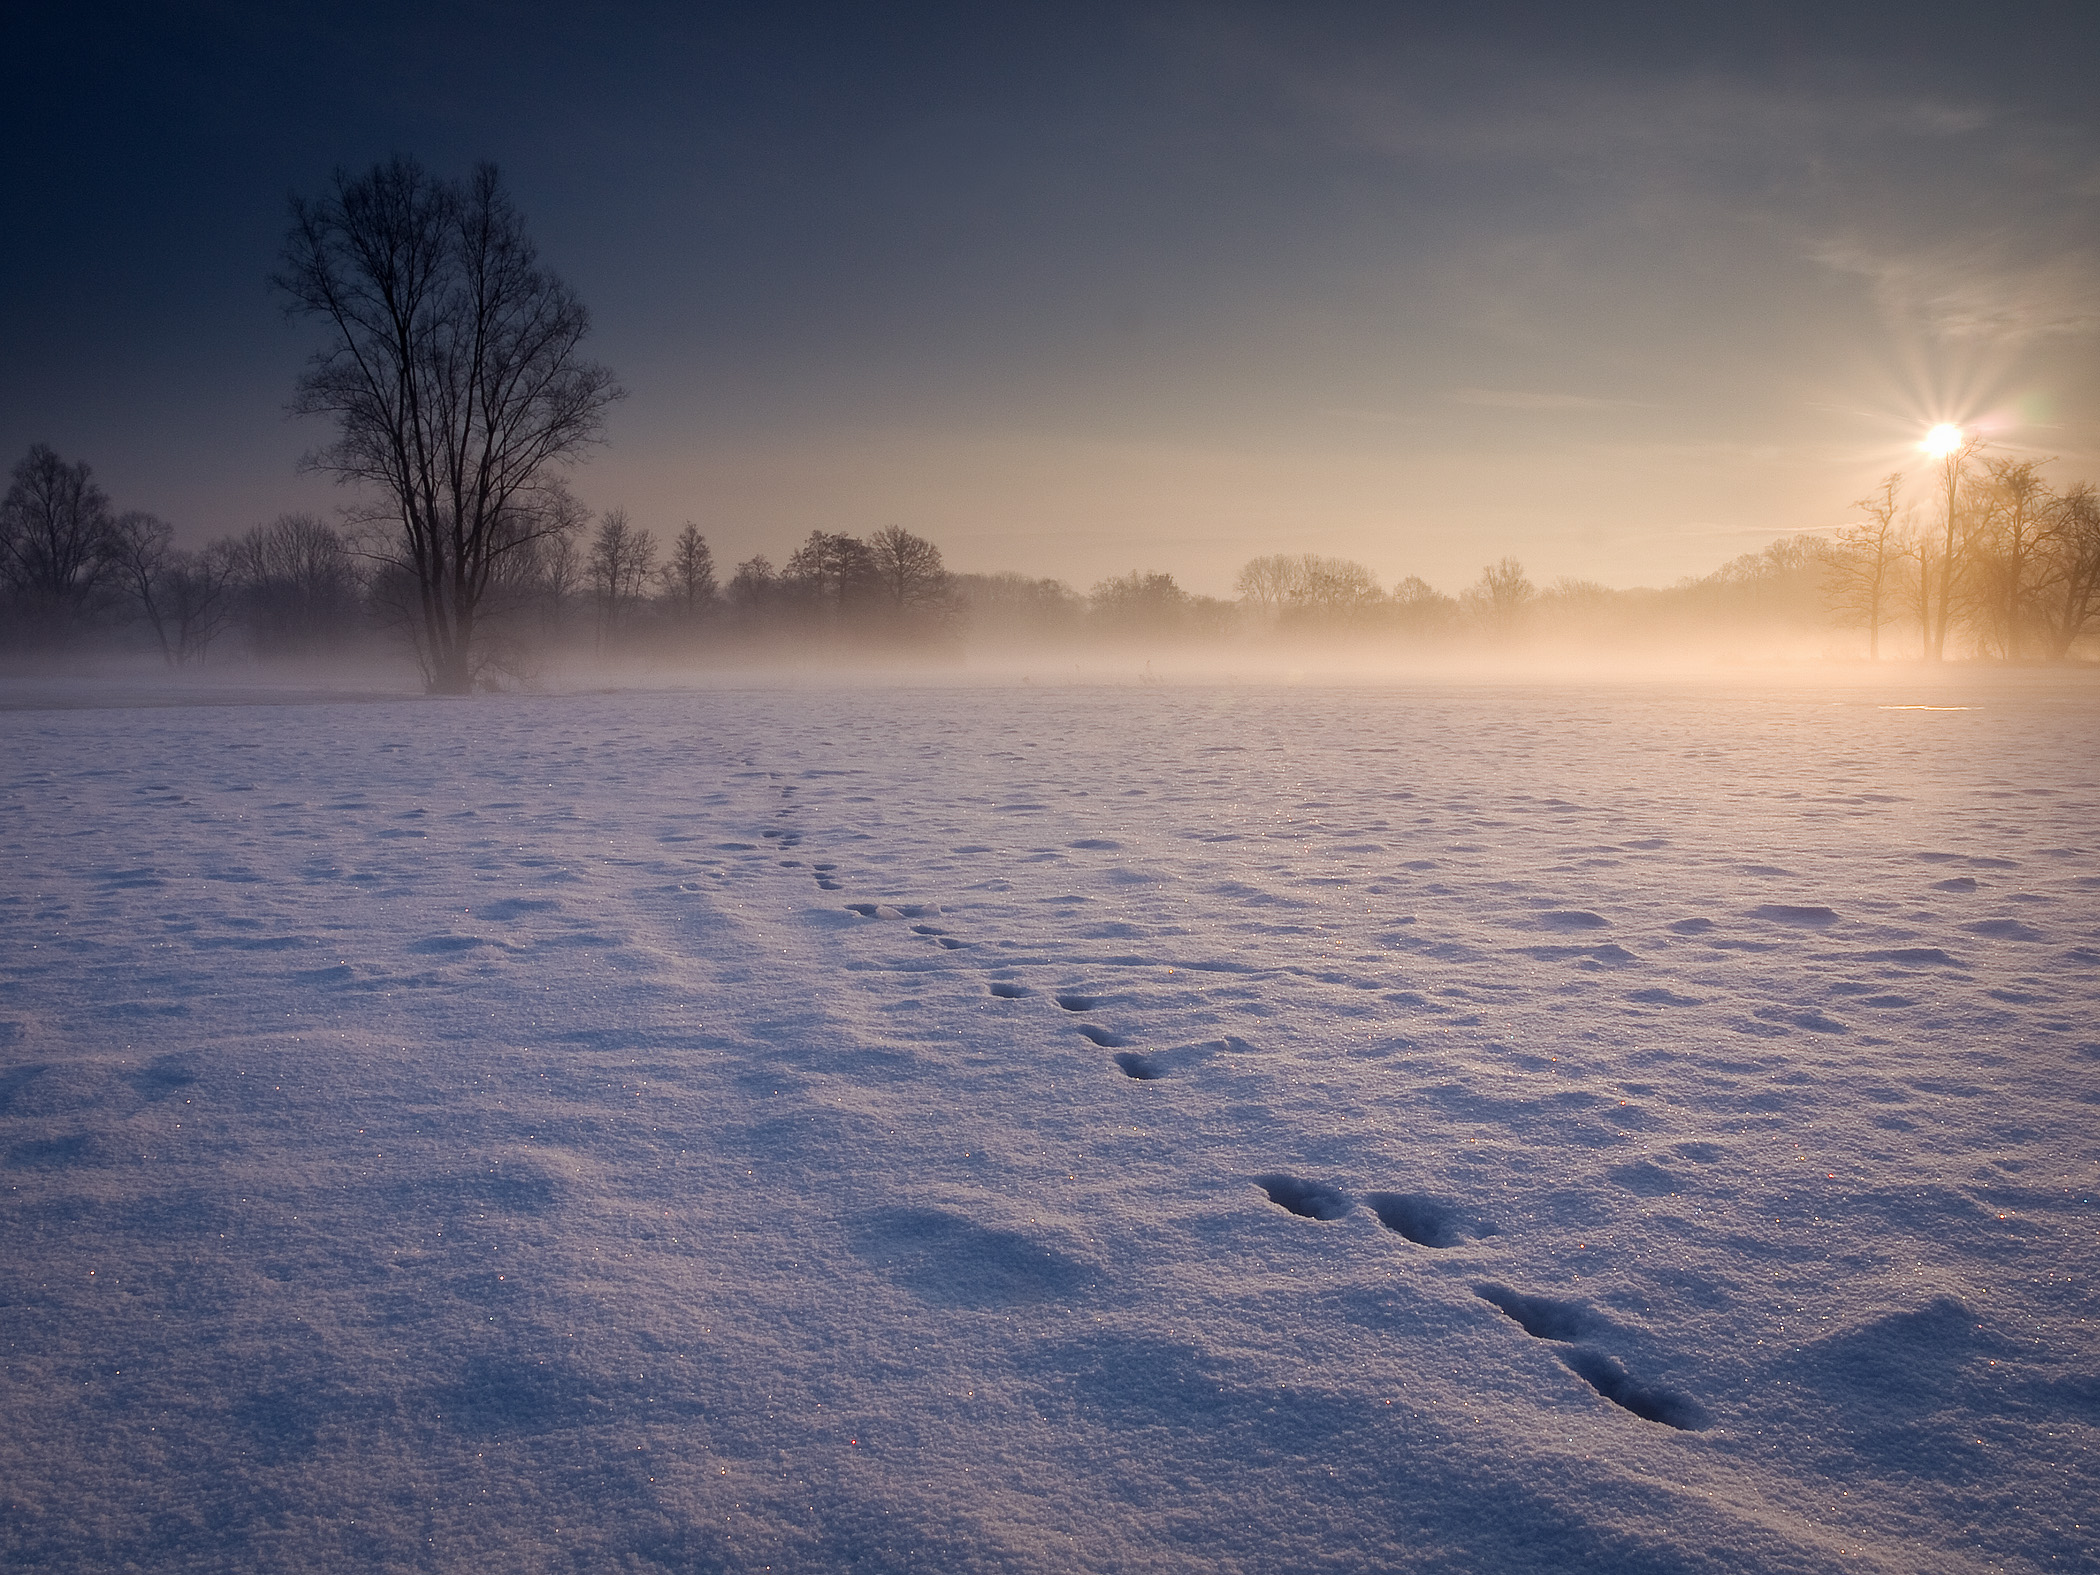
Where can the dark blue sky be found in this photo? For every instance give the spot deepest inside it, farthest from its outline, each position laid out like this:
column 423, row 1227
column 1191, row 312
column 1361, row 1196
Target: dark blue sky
column 1077, row 289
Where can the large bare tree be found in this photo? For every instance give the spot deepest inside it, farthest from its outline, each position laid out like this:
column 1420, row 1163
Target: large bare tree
column 454, row 375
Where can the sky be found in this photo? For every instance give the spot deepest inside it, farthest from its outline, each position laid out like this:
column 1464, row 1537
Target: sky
column 1075, row 290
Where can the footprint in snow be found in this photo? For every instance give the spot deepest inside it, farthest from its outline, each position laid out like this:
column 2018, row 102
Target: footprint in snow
column 1423, row 1220
column 1565, row 1322
column 1312, row 1200
column 905, row 910
column 1150, row 1066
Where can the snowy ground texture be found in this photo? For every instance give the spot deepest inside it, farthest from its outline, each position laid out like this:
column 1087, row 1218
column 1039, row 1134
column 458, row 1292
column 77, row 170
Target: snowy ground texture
column 1150, row 1129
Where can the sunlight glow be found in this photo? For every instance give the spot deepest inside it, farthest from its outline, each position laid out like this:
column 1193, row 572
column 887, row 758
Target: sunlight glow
column 1942, row 440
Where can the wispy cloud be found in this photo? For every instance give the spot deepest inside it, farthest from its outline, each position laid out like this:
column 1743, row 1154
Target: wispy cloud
column 1977, row 289
column 1520, row 399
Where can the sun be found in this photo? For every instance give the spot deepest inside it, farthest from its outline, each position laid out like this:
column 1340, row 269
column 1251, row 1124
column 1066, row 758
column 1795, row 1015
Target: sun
column 1942, row 440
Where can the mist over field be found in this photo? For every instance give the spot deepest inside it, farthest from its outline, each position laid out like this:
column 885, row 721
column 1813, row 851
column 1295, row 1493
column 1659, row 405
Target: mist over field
column 1241, row 787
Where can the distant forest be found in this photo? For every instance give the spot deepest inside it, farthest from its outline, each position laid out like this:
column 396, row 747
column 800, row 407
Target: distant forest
column 2012, row 575
column 450, row 370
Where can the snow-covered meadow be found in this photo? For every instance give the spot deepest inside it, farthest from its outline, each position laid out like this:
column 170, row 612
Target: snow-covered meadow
column 1448, row 1126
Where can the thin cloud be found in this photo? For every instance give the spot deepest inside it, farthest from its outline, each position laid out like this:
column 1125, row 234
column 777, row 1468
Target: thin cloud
column 1520, row 399
column 1977, row 291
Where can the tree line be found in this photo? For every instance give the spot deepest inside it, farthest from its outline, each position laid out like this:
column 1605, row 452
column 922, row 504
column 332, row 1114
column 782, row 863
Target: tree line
column 2025, row 583
column 451, row 371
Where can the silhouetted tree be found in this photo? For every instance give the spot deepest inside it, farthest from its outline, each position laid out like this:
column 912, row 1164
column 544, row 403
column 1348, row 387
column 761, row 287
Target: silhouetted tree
column 689, row 576
column 1420, row 609
column 622, row 557
column 1333, row 590
column 2005, row 550
column 754, row 589
column 298, row 585
column 535, row 580
column 1500, row 596
column 1134, row 603
column 832, row 572
column 2067, row 597
column 1268, row 584
column 909, row 573
column 1867, row 559
column 139, row 552
column 194, row 594
column 55, row 529
column 1941, row 563
column 452, row 372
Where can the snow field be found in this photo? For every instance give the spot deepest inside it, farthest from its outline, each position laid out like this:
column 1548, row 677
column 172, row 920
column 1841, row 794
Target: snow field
column 1448, row 1127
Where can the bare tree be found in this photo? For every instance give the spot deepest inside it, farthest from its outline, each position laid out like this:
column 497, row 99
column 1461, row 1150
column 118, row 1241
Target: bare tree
column 139, row 552
column 186, row 598
column 2067, row 597
column 913, row 583
column 1141, row 602
column 754, row 587
column 1501, row 595
column 1270, row 584
column 1868, row 556
column 560, row 566
column 452, row 372
column 832, row 571
column 621, row 559
column 196, row 599
column 534, row 582
column 1334, row 588
column 1420, row 609
column 298, row 584
column 1308, row 586
column 1947, row 558
column 54, row 537
column 689, row 577
column 2005, row 550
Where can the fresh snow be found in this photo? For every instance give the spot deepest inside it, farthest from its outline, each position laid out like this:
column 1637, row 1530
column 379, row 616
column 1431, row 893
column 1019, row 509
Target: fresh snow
column 1616, row 1127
